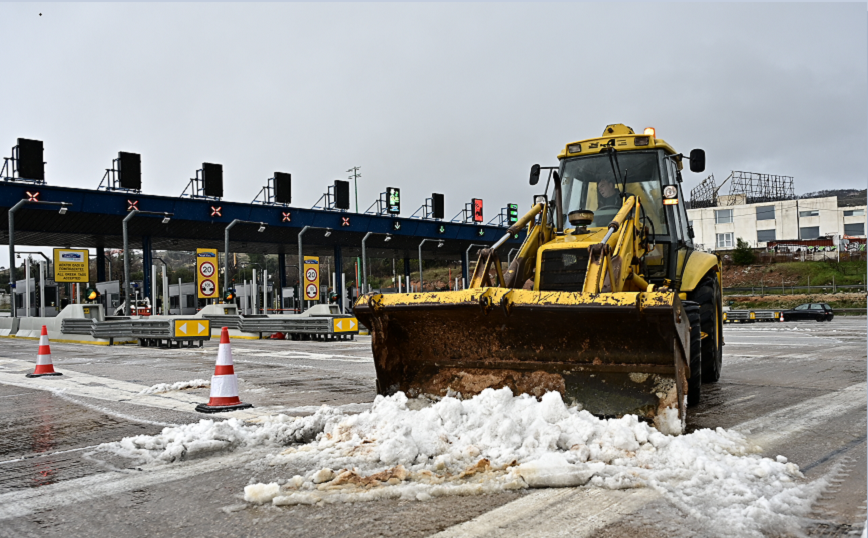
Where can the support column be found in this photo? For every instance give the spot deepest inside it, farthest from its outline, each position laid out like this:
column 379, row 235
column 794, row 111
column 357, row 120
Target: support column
column 465, row 263
column 281, row 271
column 406, row 266
column 339, row 268
column 100, row 264
column 147, row 261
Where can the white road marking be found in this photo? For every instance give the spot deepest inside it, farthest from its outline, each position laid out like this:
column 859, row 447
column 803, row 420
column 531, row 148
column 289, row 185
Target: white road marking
column 572, row 512
column 73, row 383
column 779, row 425
column 89, row 488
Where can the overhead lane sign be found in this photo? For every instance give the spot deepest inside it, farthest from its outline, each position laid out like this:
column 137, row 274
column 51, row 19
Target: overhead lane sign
column 71, row 265
column 311, row 278
column 206, row 272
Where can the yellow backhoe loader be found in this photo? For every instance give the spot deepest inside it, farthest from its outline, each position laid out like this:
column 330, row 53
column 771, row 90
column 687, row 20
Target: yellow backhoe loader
column 607, row 302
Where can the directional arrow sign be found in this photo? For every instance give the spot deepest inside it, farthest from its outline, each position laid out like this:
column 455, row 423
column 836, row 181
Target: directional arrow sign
column 344, row 325
column 183, row 328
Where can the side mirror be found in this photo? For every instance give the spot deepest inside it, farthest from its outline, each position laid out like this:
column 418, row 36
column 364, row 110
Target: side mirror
column 697, row 160
column 534, row 174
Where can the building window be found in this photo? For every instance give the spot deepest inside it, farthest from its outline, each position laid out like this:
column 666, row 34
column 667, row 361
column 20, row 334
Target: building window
column 854, row 213
column 766, row 212
column 811, row 232
column 764, row 236
column 724, row 240
column 723, row 216
column 810, row 213
column 857, row 228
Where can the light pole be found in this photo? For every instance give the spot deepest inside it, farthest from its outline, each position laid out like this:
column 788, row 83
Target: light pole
column 166, row 218
column 364, row 261
column 226, row 248
column 439, row 244
column 301, row 262
column 64, row 206
column 467, row 261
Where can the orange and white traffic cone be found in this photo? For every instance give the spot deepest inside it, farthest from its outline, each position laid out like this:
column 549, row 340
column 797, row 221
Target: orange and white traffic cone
column 43, row 358
column 782, row 316
column 224, row 384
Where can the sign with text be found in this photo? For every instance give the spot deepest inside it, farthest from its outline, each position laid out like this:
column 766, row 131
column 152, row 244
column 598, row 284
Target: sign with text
column 206, row 272
column 71, row 265
column 311, row 278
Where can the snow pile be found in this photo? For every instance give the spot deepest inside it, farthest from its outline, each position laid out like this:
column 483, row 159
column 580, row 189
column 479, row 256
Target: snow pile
column 496, row 442
column 188, row 441
column 160, row 388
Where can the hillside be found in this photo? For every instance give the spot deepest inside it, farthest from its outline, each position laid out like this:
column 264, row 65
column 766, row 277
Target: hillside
column 846, row 197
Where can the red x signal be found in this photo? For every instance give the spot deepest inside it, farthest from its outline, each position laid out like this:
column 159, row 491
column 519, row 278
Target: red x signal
column 134, row 205
column 34, row 197
column 345, row 221
column 286, row 217
column 215, row 211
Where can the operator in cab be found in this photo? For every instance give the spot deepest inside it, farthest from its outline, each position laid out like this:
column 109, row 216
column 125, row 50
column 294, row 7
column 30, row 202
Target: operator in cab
column 608, row 194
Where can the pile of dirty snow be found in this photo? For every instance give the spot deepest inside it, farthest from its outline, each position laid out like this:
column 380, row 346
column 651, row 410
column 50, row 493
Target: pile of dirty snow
column 180, row 385
column 495, row 442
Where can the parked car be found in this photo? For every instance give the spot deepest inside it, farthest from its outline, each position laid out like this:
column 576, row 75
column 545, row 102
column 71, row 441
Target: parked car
column 810, row 311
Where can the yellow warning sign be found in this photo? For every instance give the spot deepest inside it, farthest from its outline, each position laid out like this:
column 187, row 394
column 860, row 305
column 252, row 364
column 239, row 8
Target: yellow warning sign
column 310, row 292
column 345, row 325
column 71, row 265
column 192, row 328
column 206, row 272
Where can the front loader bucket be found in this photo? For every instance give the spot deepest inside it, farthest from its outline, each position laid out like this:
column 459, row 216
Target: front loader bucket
column 613, row 353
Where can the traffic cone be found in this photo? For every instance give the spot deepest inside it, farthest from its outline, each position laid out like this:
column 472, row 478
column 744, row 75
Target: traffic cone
column 43, row 358
column 224, row 384
column 782, row 316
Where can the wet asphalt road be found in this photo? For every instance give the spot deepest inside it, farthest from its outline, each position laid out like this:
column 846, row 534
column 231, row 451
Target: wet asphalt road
column 797, row 389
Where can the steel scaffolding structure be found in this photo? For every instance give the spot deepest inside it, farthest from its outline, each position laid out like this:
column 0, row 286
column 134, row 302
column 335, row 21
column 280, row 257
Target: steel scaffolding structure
column 752, row 188
column 744, row 188
column 704, row 194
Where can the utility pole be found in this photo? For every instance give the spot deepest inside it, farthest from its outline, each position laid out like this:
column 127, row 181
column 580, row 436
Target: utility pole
column 356, row 175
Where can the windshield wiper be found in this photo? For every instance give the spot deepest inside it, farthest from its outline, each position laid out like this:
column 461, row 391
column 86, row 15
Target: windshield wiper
column 616, row 170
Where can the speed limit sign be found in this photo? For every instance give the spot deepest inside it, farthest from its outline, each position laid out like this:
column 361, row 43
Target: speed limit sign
column 207, row 269
column 311, row 274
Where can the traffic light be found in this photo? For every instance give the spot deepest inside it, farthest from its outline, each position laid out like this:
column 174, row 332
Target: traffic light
column 91, row 294
column 130, row 170
column 477, row 209
column 342, row 194
column 393, row 200
column 437, row 206
column 229, row 296
column 212, row 177
column 512, row 213
column 282, row 188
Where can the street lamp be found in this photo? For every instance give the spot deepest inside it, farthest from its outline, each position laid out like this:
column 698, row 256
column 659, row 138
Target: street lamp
column 226, row 248
column 301, row 260
column 166, row 218
column 439, row 244
column 364, row 261
column 21, row 203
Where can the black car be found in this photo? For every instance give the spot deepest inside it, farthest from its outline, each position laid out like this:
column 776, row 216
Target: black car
column 810, row 311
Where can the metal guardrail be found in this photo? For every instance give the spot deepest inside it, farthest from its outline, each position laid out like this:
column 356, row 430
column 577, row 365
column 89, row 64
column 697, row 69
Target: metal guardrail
column 790, row 289
column 261, row 324
column 160, row 329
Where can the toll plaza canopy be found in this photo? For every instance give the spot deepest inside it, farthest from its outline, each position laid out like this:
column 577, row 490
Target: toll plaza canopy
column 94, row 220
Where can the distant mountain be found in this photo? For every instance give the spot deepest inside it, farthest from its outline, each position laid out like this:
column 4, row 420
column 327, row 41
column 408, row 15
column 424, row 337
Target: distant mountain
column 846, row 197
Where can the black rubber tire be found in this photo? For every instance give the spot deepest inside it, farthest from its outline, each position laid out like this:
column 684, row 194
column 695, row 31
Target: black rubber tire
column 707, row 296
column 694, row 383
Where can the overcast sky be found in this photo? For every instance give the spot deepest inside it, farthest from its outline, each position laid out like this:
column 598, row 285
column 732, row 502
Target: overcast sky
column 452, row 98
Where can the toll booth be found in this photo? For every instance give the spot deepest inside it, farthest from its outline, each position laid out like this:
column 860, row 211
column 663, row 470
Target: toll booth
column 52, row 298
column 289, row 300
column 183, row 299
column 247, row 303
column 110, row 293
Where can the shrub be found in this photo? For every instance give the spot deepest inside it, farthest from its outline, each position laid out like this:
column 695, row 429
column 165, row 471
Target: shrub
column 743, row 254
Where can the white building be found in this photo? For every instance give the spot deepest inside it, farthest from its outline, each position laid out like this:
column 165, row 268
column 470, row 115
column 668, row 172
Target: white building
column 718, row 228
